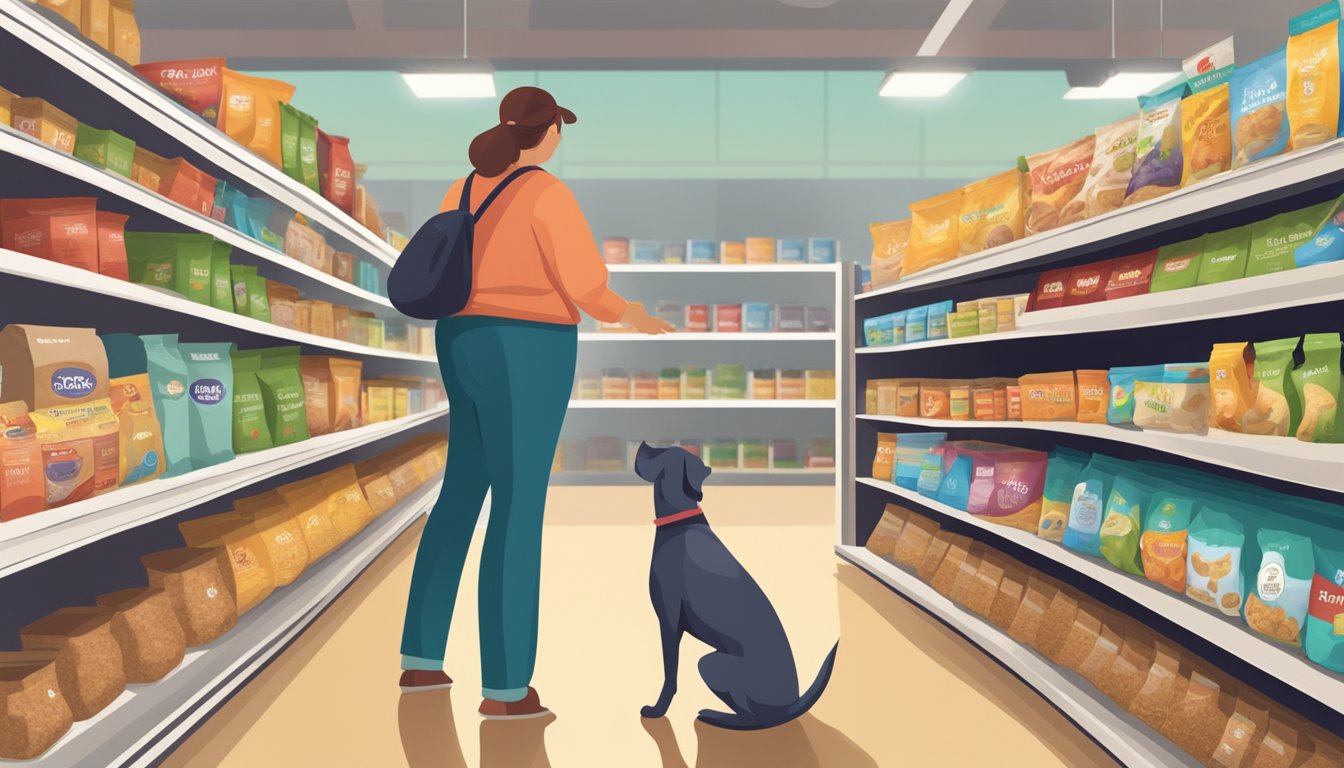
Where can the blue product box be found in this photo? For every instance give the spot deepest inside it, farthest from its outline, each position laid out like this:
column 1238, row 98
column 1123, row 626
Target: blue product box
column 790, row 252
column 916, row 324
column 702, row 251
column 674, row 253
column 822, row 250
column 758, row 317
column 877, row 331
column 938, row 319
column 898, row 327
column 646, row 252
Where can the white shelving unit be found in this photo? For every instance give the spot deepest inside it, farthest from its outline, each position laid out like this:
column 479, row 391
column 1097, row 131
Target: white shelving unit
column 147, row 721
column 682, row 405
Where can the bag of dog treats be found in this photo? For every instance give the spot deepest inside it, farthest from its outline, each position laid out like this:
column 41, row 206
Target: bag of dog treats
column 1230, row 389
column 34, row 711
column 1277, row 605
column 890, row 240
column 1225, row 255
column 1112, row 165
column 991, row 213
column 168, row 379
column 1082, row 532
column 1328, row 243
column 1122, row 522
column 197, row 85
column 1131, row 275
column 933, row 233
column 181, row 262
column 1120, row 408
column 89, row 666
column 1206, row 125
column 63, row 230
column 251, row 432
column 1325, row 615
column 1049, row 396
column 1213, row 573
column 1056, row 185
column 1177, row 265
column 1259, row 109
column 1317, row 382
column 1276, row 408
column 210, row 393
column 911, row 450
column 1274, row 240
column 282, row 395
column 1093, row 389
column 252, row 112
column 49, row 367
column 1006, row 485
column 1061, row 477
column 1158, row 164
column 1163, row 546
column 141, row 441
column 1178, row 401
column 1314, row 76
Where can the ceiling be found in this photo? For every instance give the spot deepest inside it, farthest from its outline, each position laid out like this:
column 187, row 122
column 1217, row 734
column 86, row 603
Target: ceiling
column 672, row 34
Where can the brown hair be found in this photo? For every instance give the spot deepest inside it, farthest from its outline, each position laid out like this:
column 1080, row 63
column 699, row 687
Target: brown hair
column 525, row 115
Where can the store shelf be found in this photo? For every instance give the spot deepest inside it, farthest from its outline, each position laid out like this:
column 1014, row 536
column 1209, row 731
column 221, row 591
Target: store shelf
column 723, row 269
column 609, row 336
column 682, row 405
column 22, row 265
column 147, row 721
column 23, row 146
column 1127, row 738
column 122, row 84
column 1282, row 458
column 37, row 538
column 1291, row 668
column 717, row 477
column 1237, row 190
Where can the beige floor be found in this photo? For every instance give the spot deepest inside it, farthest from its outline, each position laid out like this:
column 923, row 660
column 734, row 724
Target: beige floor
column 906, row 691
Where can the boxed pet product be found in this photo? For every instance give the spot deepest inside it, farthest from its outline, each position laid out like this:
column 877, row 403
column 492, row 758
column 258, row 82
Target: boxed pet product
column 732, row 252
column 822, row 250
column 791, row 251
column 646, row 252
column 702, row 252
column 760, row 250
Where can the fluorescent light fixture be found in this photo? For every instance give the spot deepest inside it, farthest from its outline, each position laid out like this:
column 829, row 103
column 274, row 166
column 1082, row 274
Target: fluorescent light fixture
column 919, row 85
column 451, row 85
column 1122, row 85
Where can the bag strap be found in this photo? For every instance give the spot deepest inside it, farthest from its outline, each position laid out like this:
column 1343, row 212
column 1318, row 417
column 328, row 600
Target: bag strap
column 498, row 189
column 464, row 205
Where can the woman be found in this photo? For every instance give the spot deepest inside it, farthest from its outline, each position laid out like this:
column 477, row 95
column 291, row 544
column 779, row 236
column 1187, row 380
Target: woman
column 508, row 364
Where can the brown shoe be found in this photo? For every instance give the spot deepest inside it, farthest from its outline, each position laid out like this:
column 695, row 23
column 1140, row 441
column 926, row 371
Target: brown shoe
column 418, row 680
column 528, row 706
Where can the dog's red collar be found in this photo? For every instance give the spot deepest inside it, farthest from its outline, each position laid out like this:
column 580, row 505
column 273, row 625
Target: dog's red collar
column 678, row 517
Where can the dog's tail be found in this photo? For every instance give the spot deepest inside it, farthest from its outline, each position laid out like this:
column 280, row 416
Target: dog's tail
column 810, row 696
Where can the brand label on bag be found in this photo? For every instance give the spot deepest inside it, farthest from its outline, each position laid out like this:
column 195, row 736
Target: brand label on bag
column 207, row 391
column 73, row 383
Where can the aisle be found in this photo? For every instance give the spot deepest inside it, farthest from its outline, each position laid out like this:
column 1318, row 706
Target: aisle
column 904, row 692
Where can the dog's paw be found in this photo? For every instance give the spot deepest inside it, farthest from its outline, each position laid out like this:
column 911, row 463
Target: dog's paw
column 653, row 713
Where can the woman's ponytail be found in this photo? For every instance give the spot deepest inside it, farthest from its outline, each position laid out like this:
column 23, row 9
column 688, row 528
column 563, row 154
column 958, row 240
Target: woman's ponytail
column 494, row 151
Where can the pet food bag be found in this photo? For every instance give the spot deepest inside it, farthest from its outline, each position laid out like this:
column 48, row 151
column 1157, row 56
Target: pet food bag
column 1206, row 125
column 1056, row 185
column 1314, row 76
column 1325, row 614
column 890, row 240
column 33, row 711
column 1317, row 382
column 991, row 213
column 1131, row 275
column 1328, row 243
column 1259, row 109
column 1112, row 165
column 1225, row 255
column 1163, row 545
column 350, row 511
column 1276, row 408
column 197, row 85
column 1061, row 477
column 1178, row 265
column 210, row 397
column 1161, row 685
column 282, row 395
column 1178, row 402
column 251, row 432
column 23, row 489
column 252, row 112
column 1230, row 387
column 89, row 666
column 180, row 262
column 312, row 511
column 336, row 170
column 378, row 490
column 1082, row 533
column 168, row 379
column 1122, row 521
column 244, row 559
column 1274, row 240
column 882, row 541
column 934, row 233
column 1277, row 604
column 1120, row 408
column 112, row 245
column 63, row 229
column 283, row 536
column 146, row 630
column 911, row 450
column 141, row 455
column 1158, row 163
column 1213, row 575
column 1199, row 712
column 1049, row 396
column 1006, row 485
column 48, row 367
column 196, row 588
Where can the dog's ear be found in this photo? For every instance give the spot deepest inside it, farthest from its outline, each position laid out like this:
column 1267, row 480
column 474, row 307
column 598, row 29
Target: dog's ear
column 694, row 475
column 646, row 465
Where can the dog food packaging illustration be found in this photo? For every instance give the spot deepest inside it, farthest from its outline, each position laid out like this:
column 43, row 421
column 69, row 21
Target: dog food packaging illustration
column 251, row 112
column 1056, row 185
column 1122, row 521
column 1277, row 407
column 173, row 261
column 63, row 230
column 210, row 397
column 1061, row 477
column 282, row 395
column 197, row 84
column 1093, row 391
column 1328, row 243
column 1158, row 162
column 79, row 451
column 1230, row 387
column 1130, row 275
column 146, row 631
column 23, row 488
column 43, row 121
column 890, row 240
column 1082, row 533
column 1006, row 485
column 934, row 234
column 910, row 452
column 1225, row 255
column 1324, row 638
column 89, row 666
column 991, row 213
column 1049, row 397
column 112, row 245
column 196, row 589
column 1317, row 382
column 1178, row 265
column 1259, row 109
column 882, row 541
column 1206, row 125
column 168, row 378
column 141, row 440
column 1177, row 401
column 1275, row 240
column 1276, row 605
column 49, row 367
column 1164, row 543
column 283, row 536
column 244, row 558
column 32, row 707
column 1120, row 408
column 1314, row 76
column 1112, row 165
column 1213, row 575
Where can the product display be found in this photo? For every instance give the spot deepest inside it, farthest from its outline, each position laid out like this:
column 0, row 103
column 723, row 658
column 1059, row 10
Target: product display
column 752, row 250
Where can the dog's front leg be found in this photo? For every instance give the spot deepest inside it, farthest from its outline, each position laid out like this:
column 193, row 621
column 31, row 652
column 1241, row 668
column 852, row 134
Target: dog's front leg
column 671, row 637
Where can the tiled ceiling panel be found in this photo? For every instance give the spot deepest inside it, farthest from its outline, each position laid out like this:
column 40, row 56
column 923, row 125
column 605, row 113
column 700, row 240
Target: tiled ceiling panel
column 734, row 15
column 320, row 15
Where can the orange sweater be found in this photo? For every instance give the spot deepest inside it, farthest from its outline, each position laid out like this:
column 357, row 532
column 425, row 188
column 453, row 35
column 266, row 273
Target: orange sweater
column 535, row 257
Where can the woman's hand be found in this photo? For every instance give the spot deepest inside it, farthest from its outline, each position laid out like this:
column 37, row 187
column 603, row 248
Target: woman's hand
column 637, row 317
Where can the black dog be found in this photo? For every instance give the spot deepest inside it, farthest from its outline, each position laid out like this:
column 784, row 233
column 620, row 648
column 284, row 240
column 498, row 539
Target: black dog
column 698, row 587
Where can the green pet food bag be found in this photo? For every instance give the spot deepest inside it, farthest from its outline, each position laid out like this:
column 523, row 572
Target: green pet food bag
column 1325, row 615
column 1317, row 383
column 221, row 280
column 1177, row 266
column 282, row 395
column 168, row 379
column 250, row 430
column 1225, row 255
column 1122, row 526
column 308, row 170
column 249, row 294
column 1274, row 240
column 290, row 127
column 1277, row 408
column 210, row 398
column 180, row 262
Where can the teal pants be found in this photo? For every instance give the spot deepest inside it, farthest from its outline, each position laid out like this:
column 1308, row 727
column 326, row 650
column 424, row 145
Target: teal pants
column 508, row 384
